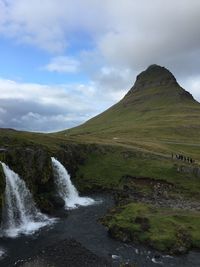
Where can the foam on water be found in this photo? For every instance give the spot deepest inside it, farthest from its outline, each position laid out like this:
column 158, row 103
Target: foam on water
column 27, row 229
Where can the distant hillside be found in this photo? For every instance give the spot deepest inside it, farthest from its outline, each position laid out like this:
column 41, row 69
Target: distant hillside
column 156, row 107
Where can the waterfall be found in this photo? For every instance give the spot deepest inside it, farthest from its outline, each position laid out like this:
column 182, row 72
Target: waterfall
column 20, row 214
column 66, row 189
column 2, row 252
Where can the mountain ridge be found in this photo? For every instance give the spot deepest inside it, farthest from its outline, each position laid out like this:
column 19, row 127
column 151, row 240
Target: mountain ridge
column 157, row 74
column 155, row 107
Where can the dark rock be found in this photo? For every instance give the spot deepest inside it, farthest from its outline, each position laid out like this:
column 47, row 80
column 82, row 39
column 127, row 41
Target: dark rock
column 195, row 170
column 183, row 242
column 57, row 201
column 154, row 76
column 2, row 150
column 65, row 253
column 33, row 164
column 157, row 256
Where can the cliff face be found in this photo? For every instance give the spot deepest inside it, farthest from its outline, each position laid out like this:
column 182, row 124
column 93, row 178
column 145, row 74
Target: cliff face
column 33, row 164
column 155, row 84
column 154, row 76
column 2, row 189
column 73, row 157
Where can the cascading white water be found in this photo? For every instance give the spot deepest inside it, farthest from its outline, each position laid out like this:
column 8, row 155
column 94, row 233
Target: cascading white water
column 20, row 214
column 2, row 252
column 66, row 189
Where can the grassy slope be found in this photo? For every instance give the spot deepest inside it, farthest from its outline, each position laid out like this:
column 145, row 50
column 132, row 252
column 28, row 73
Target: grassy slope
column 164, row 229
column 159, row 120
column 150, row 114
column 108, row 169
column 105, row 167
column 152, row 123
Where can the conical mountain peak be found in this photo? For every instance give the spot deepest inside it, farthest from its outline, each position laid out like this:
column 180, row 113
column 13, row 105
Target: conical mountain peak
column 158, row 84
column 155, row 107
column 155, row 76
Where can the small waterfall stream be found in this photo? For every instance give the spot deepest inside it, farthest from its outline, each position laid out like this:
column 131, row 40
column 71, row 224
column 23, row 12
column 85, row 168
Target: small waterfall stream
column 20, row 214
column 66, row 189
column 2, row 252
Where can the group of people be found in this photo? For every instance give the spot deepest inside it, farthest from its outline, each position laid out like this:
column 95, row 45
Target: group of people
column 183, row 158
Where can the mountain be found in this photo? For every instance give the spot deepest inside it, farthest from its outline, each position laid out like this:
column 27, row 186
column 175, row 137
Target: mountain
column 156, row 107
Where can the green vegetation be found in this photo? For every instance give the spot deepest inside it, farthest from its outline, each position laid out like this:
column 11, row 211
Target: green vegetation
column 146, row 117
column 156, row 115
column 106, row 167
column 175, row 231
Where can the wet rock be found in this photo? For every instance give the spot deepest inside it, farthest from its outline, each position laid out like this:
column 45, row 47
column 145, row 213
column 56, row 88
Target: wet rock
column 57, row 201
column 65, row 253
column 33, row 164
column 157, row 256
column 183, row 242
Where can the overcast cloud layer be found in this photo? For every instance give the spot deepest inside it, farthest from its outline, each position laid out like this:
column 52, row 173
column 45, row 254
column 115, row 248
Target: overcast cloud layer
column 124, row 37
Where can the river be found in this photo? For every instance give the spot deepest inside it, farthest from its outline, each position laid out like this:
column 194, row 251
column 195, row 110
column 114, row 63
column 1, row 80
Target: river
column 82, row 224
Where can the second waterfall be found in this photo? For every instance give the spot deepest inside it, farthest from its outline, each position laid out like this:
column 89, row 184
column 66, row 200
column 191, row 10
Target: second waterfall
column 66, row 189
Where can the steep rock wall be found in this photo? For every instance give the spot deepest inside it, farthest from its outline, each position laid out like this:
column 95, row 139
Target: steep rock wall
column 33, row 164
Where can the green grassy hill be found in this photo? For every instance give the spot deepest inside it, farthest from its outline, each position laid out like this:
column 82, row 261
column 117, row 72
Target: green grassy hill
column 155, row 113
column 155, row 107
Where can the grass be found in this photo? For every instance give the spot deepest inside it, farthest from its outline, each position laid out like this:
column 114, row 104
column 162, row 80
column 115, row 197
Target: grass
column 169, row 230
column 105, row 166
column 107, row 170
column 159, row 118
column 156, row 113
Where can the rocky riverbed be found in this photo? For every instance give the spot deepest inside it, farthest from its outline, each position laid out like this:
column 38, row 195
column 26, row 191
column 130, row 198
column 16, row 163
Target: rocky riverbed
column 64, row 253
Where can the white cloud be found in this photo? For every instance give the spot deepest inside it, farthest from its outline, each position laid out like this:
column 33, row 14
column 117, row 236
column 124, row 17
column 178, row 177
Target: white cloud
column 63, row 64
column 137, row 28
column 50, row 23
column 36, row 121
column 65, row 96
column 2, row 111
column 193, row 85
column 124, row 34
column 39, row 107
column 111, row 79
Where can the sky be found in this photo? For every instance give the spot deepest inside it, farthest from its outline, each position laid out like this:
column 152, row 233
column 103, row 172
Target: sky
column 64, row 61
